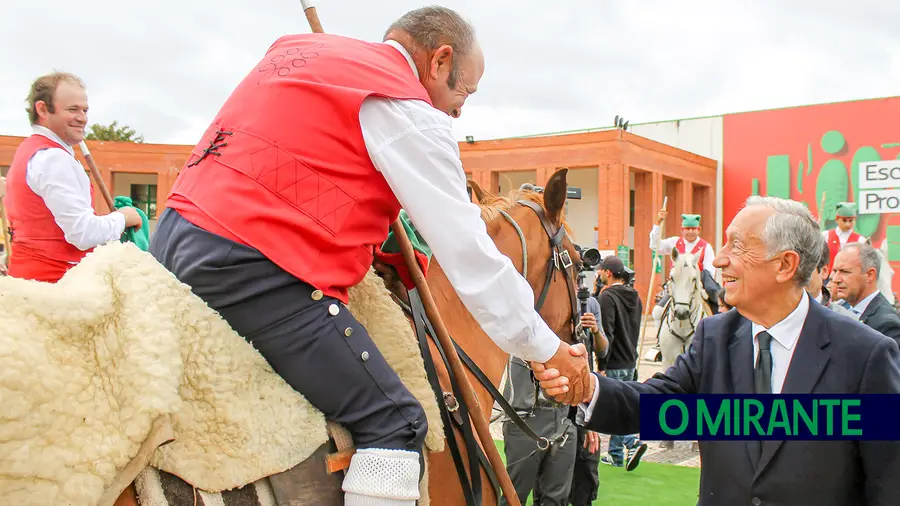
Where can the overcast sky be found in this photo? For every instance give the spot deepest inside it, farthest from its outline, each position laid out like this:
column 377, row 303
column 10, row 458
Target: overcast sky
column 164, row 67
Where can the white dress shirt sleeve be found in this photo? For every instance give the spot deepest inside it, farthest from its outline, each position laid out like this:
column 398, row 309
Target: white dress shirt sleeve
column 60, row 180
column 585, row 410
column 412, row 145
column 666, row 246
column 708, row 258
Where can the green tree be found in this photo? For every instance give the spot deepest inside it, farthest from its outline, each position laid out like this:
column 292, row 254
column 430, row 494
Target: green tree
column 113, row 132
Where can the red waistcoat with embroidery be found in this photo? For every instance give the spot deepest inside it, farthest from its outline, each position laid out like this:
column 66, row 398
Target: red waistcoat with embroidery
column 699, row 247
column 284, row 168
column 39, row 247
column 834, row 244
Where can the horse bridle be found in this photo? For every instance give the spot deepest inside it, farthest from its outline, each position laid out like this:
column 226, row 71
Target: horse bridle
column 690, row 306
column 561, row 260
column 454, row 413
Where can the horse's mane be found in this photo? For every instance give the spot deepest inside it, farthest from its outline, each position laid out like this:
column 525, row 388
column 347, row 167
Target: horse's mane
column 491, row 204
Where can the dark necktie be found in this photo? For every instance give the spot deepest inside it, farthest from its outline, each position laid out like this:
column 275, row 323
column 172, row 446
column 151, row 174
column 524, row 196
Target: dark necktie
column 762, row 381
column 762, row 378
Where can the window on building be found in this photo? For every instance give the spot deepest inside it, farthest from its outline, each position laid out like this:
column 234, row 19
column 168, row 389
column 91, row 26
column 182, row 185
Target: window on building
column 143, row 196
column 631, row 209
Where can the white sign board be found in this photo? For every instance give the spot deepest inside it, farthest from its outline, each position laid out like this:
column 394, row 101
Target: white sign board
column 879, row 201
column 882, row 174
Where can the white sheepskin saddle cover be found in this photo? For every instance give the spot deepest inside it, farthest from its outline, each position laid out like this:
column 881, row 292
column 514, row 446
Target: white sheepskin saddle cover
column 88, row 363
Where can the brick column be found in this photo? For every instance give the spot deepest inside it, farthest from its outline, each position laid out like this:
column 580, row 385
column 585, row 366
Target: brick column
column 612, row 205
column 648, row 196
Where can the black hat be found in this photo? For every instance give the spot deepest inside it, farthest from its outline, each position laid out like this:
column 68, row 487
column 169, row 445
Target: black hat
column 613, row 264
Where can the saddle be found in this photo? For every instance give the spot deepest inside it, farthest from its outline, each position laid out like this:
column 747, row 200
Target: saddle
column 98, row 362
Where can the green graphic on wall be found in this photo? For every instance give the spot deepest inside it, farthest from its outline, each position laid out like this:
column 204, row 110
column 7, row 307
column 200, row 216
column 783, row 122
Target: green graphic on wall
column 835, row 181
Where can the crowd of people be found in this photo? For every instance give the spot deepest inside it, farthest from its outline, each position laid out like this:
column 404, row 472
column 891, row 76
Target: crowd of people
column 377, row 122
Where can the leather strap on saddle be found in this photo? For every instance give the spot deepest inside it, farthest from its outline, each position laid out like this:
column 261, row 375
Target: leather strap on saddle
column 339, row 461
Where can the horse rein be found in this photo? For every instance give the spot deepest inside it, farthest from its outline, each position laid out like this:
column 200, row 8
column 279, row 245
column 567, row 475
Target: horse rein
column 562, row 261
column 690, row 306
column 454, row 412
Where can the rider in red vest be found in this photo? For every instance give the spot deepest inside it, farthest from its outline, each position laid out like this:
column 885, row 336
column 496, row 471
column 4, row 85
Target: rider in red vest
column 280, row 209
column 837, row 237
column 690, row 242
column 48, row 196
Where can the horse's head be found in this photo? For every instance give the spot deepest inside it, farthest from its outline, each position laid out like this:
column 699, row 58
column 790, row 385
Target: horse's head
column 529, row 224
column 686, row 284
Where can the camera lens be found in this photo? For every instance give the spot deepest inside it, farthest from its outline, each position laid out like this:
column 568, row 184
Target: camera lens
column 591, row 257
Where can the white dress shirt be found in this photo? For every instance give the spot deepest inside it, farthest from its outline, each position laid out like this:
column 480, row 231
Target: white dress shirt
column 784, row 342
column 843, row 236
column 412, row 144
column 56, row 176
column 668, row 244
column 861, row 306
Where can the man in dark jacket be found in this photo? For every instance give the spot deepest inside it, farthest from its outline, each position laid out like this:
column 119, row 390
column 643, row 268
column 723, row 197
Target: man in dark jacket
column 856, row 270
column 620, row 309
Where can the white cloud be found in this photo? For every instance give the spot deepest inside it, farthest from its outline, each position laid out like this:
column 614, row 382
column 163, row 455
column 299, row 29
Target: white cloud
column 165, row 67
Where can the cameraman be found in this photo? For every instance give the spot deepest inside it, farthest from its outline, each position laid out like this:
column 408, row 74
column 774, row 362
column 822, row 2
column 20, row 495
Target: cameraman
column 585, row 479
column 620, row 308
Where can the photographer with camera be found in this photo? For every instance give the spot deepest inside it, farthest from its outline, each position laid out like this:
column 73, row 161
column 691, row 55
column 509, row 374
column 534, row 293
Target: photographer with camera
column 585, row 479
column 620, row 308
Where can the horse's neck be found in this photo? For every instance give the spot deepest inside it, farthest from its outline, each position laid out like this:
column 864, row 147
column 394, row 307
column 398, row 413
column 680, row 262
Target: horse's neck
column 467, row 333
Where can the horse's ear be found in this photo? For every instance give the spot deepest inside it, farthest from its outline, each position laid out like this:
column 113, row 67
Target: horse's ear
column 555, row 196
column 479, row 193
column 695, row 259
column 674, row 254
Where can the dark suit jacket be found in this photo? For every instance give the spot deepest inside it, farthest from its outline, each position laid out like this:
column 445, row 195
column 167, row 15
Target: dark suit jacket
column 834, row 354
column 882, row 317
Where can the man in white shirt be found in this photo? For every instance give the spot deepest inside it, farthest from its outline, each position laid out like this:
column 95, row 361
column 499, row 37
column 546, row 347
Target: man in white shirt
column 48, row 197
column 689, row 242
column 778, row 340
column 315, row 153
column 856, row 271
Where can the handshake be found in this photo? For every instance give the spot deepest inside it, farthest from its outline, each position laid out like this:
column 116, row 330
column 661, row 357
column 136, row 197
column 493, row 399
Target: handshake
column 566, row 377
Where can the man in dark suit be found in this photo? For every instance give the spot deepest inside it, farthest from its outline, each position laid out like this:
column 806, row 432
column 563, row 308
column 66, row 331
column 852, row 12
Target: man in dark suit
column 856, row 270
column 797, row 346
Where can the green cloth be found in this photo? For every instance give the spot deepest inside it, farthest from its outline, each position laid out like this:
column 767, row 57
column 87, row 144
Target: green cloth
column 419, row 245
column 140, row 238
column 690, row 220
column 846, row 210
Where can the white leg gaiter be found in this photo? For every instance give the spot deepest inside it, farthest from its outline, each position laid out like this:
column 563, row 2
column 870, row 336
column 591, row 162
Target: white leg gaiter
column 379, row 477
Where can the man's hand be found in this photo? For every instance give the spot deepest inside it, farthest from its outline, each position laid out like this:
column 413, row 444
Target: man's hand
column 570, row 369
column 661, row 216
column 591, row 442
column 589, row 322
column 557, row 385
column 132, row 218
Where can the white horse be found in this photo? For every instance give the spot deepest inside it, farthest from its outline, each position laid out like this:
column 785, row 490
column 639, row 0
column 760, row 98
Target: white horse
column 686, row 306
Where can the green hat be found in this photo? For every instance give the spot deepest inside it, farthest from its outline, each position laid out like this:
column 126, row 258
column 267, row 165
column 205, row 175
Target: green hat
column 846, row 210
column 690, row 220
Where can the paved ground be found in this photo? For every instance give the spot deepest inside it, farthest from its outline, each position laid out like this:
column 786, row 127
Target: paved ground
column 682, row 454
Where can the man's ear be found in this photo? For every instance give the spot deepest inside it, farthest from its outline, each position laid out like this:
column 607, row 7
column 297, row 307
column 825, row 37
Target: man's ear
column 442, row 57
column 788, row 266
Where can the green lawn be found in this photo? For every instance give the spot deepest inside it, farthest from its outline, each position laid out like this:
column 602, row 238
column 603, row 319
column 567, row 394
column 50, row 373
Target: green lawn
column 650, row 484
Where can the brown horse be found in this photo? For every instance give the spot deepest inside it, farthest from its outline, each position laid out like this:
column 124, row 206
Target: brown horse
column 521, row 225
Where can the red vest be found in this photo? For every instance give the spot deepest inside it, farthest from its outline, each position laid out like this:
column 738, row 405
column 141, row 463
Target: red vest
column 701, row 247
column 288, row 172
column 39, row 247
column 834, row 245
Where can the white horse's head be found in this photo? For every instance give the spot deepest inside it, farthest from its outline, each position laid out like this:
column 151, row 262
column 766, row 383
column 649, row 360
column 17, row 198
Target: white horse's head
column 687, row 292
column 886, row 274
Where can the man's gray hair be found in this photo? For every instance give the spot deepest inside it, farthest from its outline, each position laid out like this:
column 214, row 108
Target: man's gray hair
column 869, row 257
column 434, row 26
column 791, row 228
